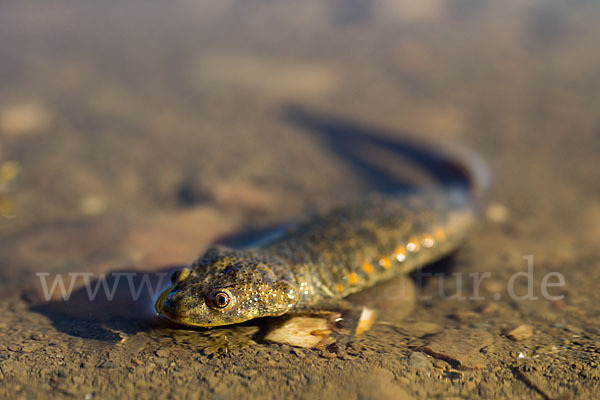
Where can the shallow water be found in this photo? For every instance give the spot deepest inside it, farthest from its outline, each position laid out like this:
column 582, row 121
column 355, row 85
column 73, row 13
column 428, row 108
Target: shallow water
column 144, row 132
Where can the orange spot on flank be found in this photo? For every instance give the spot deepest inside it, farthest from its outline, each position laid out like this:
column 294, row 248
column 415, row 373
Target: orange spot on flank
column 384, row 262
column 439, row 234
column 400, row 254
column 412, row 245
column 352, row 278
column 368, row 268
column 427, row 241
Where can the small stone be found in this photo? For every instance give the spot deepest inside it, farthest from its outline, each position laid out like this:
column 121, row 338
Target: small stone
column 420, row 329
column 465, row 315
column 28, row 348
column 162, row 353
column 108, row 364
column 460, row 346
column 522, row 332
column 549, row 349
column 270, row 363
column 13, row 347
column 162, row 361
column 489, row 308
column 298, row 353
column 137, row 361
column 307, row 332
column 493, row 286
column 24, row 118
column 93, row 205
column 377, row 383
column 420, row 361
column 497, row 213
column 558, row 304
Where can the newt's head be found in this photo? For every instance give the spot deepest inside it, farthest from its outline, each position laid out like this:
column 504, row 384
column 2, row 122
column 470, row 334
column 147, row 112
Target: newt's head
column 228, row 286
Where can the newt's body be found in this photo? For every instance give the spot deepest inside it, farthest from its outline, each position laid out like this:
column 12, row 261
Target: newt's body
column 325, row 259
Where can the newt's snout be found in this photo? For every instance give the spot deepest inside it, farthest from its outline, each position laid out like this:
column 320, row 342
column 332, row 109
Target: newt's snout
column 172, row 305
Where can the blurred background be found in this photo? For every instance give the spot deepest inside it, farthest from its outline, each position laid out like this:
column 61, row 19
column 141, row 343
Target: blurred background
column 156, row 128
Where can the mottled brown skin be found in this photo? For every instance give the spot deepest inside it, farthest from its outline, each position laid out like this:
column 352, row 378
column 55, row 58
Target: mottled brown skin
column 322, row 261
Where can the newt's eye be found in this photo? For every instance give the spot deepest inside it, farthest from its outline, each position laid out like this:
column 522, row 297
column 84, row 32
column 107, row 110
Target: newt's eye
column 221, row 300
column 179, row 276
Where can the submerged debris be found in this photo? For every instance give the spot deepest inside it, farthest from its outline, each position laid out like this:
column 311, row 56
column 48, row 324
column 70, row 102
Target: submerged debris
column 300, row 331
column 521, row 332
column 314, row 331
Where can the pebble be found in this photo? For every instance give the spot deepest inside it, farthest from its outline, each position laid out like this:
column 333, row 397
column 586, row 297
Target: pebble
column 465, row 315
column 489, row 308
column 108, row 364
column 420, row 361
column 162, row 353
column 461, row 346
column 93, row 205
column 162, row 361
column 298, row 353
column 13, row 347
column 521, row 332
column 299, row 332
column 497, row 213
column 420, row 329
column 24, row 118
column 28, row 348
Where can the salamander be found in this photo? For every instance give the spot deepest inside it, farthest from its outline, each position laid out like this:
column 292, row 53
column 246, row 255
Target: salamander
column 325, row 259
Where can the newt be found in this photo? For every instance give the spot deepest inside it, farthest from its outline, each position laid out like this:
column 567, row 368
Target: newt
column 318, row 263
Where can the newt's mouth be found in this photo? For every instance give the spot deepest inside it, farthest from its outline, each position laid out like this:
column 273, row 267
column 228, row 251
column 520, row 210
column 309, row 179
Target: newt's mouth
column 158, row 306
column 171, row 306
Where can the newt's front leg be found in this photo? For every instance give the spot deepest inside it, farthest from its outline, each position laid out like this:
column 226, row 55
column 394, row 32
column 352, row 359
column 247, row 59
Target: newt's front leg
column 339, row 322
